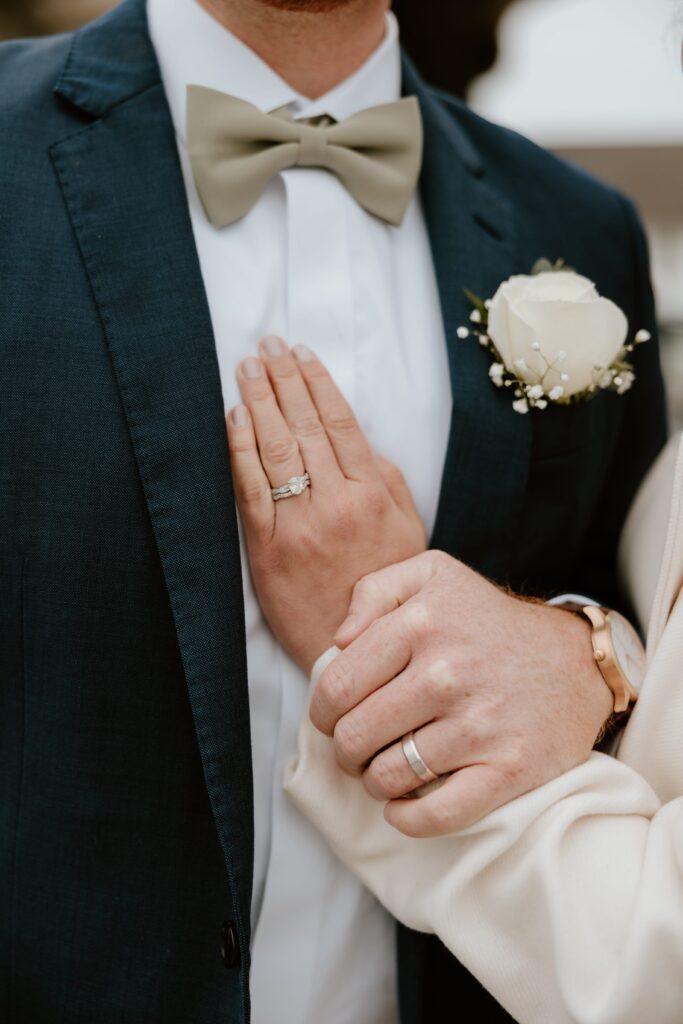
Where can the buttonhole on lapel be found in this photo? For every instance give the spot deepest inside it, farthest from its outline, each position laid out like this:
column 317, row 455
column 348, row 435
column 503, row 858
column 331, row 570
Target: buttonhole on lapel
column 486, row 224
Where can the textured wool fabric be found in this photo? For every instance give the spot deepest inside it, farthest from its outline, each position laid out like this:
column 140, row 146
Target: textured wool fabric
column 567, row 903
column 126, row 835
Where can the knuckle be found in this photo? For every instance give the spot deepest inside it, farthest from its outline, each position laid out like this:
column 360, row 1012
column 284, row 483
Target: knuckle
column 393, row 473
column 240, row 444
column 385, row 775
column 376, row 502
column 443, row 678
column 439, row 817
column 349, row 739
column 307, row 546
column 417, row 619
column 280, row 450
column 341, row 421
column 259, row 391
column 308, row 426
column 252, row 491
column 345, row 521
column 476, row 728
column 366, row 591
column 314, row 370
column 514, row 762
column 337, row 684
column 284, row 369
column 440, row 560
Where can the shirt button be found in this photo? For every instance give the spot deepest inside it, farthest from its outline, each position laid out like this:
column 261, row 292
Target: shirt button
column 230, row 946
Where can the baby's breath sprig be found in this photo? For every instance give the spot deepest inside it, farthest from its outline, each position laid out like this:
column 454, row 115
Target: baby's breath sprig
column 527, row 395
column 619, row 376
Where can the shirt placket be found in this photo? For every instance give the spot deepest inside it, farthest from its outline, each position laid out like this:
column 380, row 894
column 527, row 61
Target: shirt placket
column 301, row 870
column 319, row 291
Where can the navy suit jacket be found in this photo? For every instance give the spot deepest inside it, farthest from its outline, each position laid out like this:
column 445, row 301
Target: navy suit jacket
column 125, row 763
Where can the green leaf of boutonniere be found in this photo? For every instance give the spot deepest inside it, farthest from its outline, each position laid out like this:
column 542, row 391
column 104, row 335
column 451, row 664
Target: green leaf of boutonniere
column 544, row 266
column 477, row 303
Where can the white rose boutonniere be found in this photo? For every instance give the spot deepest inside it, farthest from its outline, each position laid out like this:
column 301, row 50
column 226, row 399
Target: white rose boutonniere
column 553, row 338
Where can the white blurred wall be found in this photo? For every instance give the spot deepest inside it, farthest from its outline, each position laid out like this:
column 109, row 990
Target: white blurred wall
column 600, row 81
column 578, row 72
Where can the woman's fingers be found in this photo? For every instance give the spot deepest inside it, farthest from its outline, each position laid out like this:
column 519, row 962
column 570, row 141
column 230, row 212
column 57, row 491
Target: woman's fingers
column 303, row 423
column 300, row 413
column 277, row 447
column 252, row 487
column 354, row 455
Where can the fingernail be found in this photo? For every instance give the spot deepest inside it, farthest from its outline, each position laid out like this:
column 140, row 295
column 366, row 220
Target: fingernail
column 239, row 416
column 273, row 345
column 251, row 368
column 302, row 353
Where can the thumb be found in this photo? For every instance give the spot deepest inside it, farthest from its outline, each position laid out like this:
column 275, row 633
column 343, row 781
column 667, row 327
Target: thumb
column 383, row 591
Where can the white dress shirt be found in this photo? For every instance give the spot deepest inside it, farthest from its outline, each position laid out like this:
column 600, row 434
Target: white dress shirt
column 309, row 264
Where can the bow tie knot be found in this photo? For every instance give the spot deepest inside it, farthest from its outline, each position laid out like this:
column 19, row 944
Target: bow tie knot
column 235, row 149
column 313, row 142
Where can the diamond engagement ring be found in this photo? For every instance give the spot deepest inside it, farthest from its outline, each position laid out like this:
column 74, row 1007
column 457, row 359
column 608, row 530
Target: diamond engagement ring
column 295, row 485
column 421, row 769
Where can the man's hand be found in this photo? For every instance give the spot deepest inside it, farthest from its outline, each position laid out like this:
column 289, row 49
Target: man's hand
column 307, row 552
column 503, row 694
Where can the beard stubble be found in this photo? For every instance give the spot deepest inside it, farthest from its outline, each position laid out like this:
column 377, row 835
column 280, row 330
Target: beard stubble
column 308, row 6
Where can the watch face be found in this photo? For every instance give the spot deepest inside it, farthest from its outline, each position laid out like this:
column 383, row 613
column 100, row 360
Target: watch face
column 628, row 650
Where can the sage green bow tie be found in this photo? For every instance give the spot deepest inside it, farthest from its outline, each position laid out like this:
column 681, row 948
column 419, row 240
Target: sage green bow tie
column 235, row 150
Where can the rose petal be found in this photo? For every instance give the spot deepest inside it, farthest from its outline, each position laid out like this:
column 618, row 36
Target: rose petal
column 559, row 286
column 589, row 332
column 513, row 288
column 513, row 338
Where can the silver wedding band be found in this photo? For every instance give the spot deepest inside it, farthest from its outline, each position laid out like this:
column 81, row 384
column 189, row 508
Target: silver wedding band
column 294, row 486
column 414, row 759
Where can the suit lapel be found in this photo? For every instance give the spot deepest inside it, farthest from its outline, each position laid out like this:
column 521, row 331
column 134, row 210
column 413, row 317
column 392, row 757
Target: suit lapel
column 472, row 232
column 125, row 195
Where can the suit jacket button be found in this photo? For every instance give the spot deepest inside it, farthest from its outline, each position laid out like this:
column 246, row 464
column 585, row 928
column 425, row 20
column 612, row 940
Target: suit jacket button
column 230, row 945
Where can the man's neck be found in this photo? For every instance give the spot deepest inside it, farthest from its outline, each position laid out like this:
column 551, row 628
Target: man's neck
column 312, row 50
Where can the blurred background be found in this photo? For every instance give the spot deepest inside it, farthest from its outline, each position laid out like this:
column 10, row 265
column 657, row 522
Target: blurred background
column 598, row 81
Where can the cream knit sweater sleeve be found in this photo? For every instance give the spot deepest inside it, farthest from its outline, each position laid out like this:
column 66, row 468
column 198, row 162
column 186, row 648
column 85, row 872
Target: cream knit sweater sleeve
column 567, row 903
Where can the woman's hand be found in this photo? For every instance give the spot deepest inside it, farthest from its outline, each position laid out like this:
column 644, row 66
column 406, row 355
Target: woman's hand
column 307, row 552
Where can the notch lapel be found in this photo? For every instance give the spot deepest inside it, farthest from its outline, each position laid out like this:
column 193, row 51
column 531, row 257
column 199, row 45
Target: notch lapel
column 125, row 196
column 472, row 232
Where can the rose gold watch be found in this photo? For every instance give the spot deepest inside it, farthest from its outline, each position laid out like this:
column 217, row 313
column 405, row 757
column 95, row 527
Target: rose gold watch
column 619, row 654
